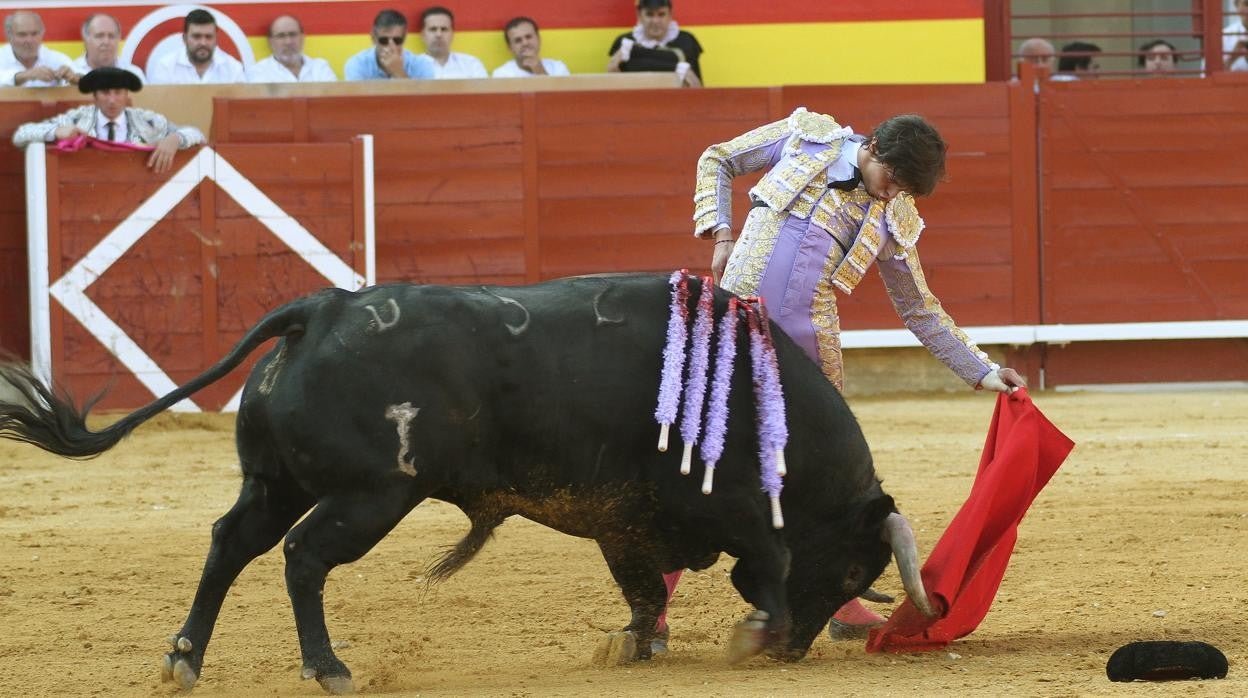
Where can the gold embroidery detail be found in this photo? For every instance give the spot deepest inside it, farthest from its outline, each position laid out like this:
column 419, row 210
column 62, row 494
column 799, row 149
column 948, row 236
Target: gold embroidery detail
column 816, row 128
column 744, row 272
column 904, row 223
column 862, row 253
column 826, row 320
column 794, row 175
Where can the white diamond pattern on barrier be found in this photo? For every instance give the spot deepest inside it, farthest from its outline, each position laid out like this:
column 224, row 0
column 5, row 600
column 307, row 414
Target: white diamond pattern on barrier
column 71, row 289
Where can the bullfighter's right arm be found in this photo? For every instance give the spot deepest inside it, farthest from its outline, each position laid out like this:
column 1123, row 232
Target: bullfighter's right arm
column 712, row 199
column 41, row 131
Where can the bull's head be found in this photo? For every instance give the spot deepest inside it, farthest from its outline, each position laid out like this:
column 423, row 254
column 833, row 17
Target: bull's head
column 831, row 569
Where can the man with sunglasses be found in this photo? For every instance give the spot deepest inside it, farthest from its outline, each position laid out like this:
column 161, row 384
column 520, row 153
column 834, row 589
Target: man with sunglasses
column 387, row 59
column 832, row 204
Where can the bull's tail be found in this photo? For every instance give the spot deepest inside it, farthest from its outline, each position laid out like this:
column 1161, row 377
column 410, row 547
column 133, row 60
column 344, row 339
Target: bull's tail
column 483, row 525
column 49, row 419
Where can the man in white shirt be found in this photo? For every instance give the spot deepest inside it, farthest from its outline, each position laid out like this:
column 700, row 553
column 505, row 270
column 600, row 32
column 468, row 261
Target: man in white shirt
column 110, row 119
column 289, row 63
column 101, row 34
column 525, row 43
column 25, row 61
column 437, row 28
column 201, row 62
column 1235, row 40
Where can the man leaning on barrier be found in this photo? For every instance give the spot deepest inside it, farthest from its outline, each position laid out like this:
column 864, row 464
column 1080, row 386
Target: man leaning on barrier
column 110, row 118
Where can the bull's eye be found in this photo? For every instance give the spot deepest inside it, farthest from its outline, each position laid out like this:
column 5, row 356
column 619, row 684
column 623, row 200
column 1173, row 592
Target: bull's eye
column 855, row 575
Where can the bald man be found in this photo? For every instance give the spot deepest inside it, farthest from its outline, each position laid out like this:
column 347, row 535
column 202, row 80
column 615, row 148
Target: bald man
column 25, row 61
column 289, row 63
column 1039, row 52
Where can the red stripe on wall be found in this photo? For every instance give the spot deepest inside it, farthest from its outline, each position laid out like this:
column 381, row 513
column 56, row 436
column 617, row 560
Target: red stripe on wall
column 348, row 17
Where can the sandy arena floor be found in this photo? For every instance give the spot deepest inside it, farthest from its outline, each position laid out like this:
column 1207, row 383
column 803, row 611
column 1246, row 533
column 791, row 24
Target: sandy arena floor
column 1139, row 536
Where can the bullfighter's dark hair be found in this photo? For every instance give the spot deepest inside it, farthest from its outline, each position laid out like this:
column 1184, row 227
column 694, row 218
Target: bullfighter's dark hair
column 198, row 17
column 388, row 18
column 653, row 4
column 913, row 149
column 515, row 22
column 436, row 10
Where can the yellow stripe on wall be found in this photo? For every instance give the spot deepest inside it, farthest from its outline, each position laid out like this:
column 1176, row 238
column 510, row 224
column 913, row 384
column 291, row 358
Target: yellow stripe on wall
column 897, row 52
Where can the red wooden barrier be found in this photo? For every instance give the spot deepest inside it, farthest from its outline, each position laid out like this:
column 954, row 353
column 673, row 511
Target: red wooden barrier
column 511, row 188
column 196, row 278
column 1144, row 188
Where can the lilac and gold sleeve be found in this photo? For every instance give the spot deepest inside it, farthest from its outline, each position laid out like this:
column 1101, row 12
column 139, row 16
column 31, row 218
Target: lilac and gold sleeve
column 750, row 152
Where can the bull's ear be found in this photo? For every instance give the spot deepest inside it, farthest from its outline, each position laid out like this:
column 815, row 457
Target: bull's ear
column 878, row 509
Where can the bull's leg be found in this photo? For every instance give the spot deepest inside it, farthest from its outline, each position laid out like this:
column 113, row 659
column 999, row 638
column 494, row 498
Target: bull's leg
column 759, row 576
column 265, row 510
column 341, row 529
column 642, row 585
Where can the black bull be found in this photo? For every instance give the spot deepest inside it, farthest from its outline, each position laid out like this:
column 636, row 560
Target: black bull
column 533, row 401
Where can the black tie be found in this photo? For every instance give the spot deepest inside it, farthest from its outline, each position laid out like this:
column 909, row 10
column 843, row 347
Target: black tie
column 112, row 131
column 848, row 184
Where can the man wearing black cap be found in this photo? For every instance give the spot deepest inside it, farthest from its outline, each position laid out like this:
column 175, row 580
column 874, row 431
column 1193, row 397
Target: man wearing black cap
column 110, row 119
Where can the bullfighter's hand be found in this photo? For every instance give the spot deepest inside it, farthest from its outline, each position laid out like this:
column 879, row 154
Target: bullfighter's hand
column 719, row 260
column 67, row 131
column 1002, row 380
column 162, row 158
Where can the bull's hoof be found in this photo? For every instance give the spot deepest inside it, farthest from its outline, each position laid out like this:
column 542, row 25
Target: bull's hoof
column 334, row 685
column 617, row 648
column 176, row 665
column 749, row 637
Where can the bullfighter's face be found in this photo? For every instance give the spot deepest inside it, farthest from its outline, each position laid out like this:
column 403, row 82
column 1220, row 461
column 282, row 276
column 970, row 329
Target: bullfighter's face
column 112, row 101
column 877, row 177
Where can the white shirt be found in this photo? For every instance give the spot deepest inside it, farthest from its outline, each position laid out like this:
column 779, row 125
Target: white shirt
column 1232, row 35
column 175, row 68
column 101, row 127
column 10, row 66
column 80, row 66
column 459, row 65
column 511, row 70
column 313, row 70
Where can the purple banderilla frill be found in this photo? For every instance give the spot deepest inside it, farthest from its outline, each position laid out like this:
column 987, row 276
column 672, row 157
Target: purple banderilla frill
column 772, row 432
column 717, row 409
column 673, row 355
column 695, row 386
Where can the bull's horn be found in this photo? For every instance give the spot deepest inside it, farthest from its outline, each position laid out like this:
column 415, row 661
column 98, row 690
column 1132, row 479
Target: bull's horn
column 900, row 538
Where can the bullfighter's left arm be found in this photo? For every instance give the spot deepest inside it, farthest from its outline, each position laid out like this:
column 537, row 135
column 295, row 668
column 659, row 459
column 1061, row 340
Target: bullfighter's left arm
column 918, row 308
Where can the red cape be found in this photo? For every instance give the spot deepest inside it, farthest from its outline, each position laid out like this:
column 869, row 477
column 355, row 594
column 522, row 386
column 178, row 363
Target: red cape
column 1021, row 454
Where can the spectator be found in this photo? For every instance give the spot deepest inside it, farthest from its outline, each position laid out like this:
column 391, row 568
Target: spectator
column 110, row 119
column 525, row 43
column 437, row 28
column 657, row 44
column 1158, row 56
column 1078, row 61
column 100, row 36
column 1234, row 40
column 25, row 61
column 387, row 58
column 1038, row 52
column 201, row 62
column 289, row 63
